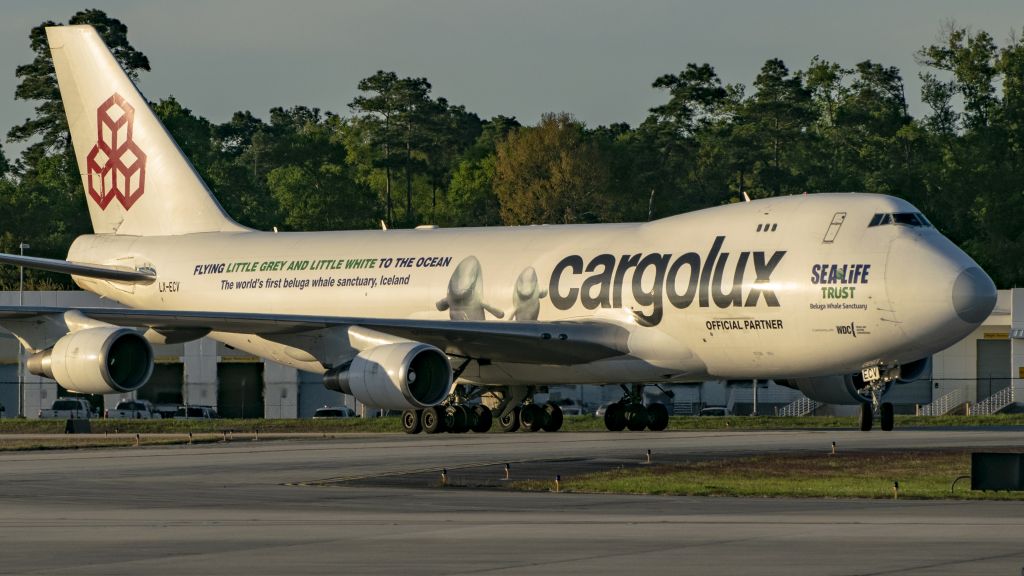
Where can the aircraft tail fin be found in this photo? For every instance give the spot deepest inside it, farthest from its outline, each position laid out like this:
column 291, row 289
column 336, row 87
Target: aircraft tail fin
column 136, row 179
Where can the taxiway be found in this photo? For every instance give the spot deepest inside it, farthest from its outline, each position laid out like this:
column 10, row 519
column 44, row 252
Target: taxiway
column 364, row 504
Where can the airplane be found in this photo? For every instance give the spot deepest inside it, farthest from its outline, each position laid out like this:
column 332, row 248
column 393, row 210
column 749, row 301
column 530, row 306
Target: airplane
column 840, row 295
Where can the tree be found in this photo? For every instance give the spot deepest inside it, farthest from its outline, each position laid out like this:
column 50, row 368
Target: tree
column 471, row 200
column 668, row 143
column 38, row 81
column 376, row 131
column 47, row 186
column 780, row 113
column 413, row 119
column 975, row 175
column 238, row 173
column 971, row 59
column 194, row 134
column 550, row 174
column 312, row 183
column 450, row 131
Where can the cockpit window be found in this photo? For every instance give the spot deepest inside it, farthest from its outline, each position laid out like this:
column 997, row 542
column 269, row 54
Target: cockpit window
column 908, row 218
column 905, row 218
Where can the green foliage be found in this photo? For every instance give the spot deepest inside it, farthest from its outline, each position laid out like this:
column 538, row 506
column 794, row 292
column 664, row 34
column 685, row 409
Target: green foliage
column 552, row 174
column 408, row 157
column 921, row 475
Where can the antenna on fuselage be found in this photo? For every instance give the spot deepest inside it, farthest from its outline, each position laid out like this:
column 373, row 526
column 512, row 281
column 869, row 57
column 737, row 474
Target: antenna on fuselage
column 746, row 197
column 383, row 226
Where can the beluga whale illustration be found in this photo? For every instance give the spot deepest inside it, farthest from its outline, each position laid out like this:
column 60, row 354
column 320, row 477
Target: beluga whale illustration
column 526, row 296
column 465, row 300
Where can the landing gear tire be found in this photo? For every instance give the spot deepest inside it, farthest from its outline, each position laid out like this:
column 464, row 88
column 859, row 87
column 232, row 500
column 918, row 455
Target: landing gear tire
column 510, row 422
column 433, row 419
column 484, row 419
column 412, row 421
column 615, row 417
column 457, row 419
column 636, row 417
column 532, row 417
column 887, row 416
column 657, row 417
column 554, row 418
column 867, row 417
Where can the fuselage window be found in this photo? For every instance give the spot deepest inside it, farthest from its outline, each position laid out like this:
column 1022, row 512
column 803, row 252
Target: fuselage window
column 774, row 226
column 759, row 227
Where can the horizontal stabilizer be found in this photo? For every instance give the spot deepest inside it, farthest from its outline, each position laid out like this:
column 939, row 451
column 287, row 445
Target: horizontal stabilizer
column 115, row 273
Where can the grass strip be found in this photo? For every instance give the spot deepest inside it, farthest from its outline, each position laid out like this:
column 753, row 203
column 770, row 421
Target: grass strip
column 572, row 424
column 921, row 475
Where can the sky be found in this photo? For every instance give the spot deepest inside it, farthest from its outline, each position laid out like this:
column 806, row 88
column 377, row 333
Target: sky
column 595, row 59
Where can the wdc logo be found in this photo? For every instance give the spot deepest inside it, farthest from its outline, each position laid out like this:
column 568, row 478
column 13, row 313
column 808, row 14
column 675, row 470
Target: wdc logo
column 116, row 165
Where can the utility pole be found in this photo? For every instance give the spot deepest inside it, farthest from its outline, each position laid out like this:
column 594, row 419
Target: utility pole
column 754, row 384
column 21, row 349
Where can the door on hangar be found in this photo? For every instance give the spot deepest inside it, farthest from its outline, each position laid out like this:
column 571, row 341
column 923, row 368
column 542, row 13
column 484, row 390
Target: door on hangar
column 240, row 389
column 993, row 367
column 165, row 385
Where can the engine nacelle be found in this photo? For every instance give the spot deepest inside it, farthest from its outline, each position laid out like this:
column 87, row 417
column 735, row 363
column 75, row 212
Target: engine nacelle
column 97, row 361
column 849, row 388
column 916, row 370
column 398, row 376
column 837, row 389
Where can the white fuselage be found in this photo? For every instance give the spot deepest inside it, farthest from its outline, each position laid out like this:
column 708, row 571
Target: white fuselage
column 777, row 288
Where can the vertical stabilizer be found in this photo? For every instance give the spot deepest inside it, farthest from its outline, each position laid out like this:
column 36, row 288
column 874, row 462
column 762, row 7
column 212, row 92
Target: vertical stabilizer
column 136, row 179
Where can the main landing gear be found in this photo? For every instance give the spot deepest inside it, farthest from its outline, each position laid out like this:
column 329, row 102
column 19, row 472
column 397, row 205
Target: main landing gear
column 456, row 418
column 516, row 411
column 631, row 413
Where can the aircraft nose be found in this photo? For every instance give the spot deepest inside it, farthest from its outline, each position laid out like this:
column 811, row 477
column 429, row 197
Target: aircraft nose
column 935, row 290
column 974, row 295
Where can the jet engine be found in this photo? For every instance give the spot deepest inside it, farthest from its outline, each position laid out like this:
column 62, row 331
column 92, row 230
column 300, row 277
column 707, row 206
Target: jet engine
column 850, row 388
column 97, row 361
column 399, row 376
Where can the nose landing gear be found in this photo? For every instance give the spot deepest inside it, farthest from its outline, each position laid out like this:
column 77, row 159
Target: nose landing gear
column 876, row 378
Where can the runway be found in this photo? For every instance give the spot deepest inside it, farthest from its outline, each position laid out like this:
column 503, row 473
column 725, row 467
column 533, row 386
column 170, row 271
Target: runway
column 368, row 504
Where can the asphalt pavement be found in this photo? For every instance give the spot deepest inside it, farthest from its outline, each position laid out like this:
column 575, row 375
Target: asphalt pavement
column 372, row 504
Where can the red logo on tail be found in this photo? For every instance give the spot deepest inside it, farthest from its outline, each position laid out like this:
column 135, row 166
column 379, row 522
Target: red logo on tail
column 116, row 165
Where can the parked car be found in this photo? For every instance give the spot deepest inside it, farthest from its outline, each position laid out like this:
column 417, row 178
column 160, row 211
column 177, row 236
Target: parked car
column 603, row 408
column 135, row 410
column 569, row 407
column 195, row 413
column 166, row 411
column 68, row 409
column 715, row 411
column 334, row 412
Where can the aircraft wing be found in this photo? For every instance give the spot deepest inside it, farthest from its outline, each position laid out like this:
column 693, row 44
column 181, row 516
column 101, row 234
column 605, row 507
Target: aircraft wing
column 556, row 343
column 115, row 273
